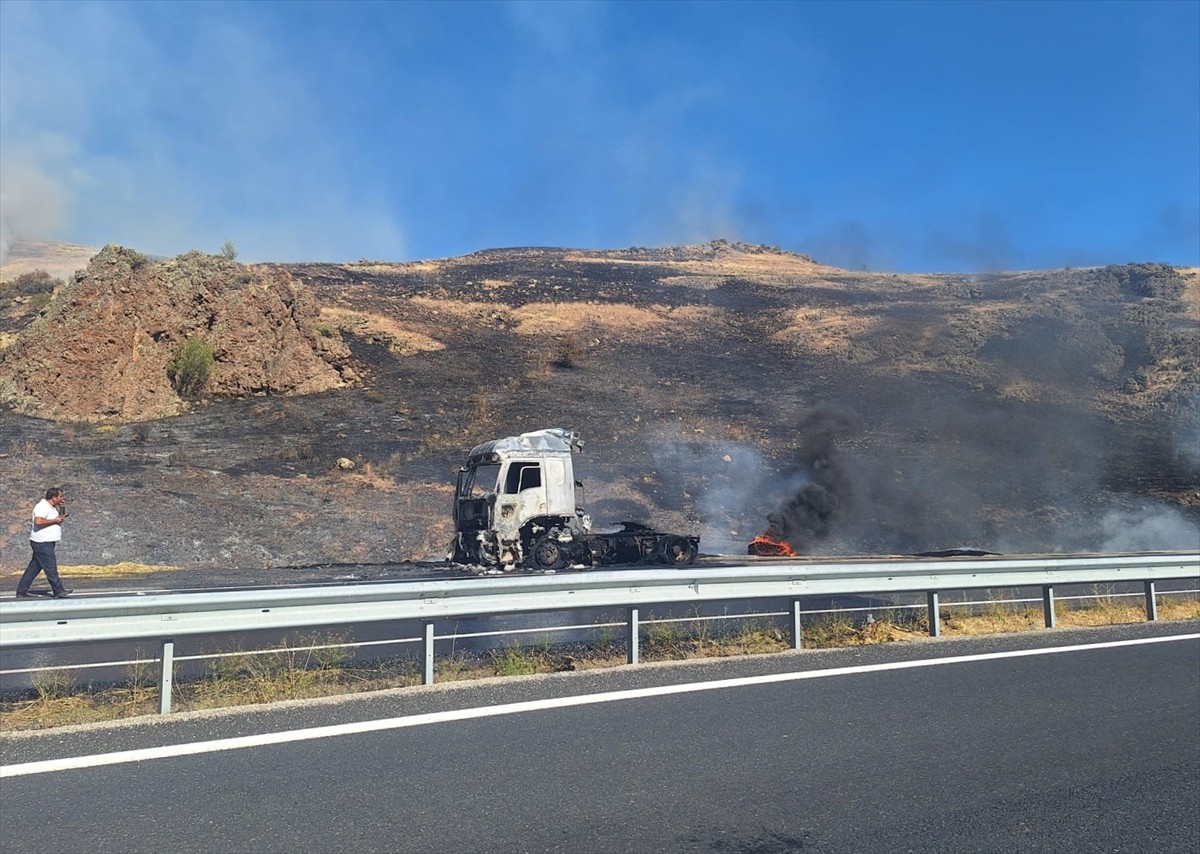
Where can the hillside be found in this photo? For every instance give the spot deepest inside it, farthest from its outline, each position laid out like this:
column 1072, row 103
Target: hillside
column 106, row 346
column 57, row 259
column 717, row 386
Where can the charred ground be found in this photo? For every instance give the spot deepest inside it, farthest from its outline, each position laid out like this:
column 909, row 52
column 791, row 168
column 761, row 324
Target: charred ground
column 1038, row 411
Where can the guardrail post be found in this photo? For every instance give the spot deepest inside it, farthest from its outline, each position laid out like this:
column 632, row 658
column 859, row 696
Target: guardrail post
column 797, row 638
column 935, row 619
column 1151, row 602
column 1048, row 604
column 167, row 677
column 427, row 679
column 633, row 635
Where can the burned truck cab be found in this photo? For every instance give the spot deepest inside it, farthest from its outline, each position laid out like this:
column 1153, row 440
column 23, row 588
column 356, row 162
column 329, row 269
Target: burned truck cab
column 515, row 505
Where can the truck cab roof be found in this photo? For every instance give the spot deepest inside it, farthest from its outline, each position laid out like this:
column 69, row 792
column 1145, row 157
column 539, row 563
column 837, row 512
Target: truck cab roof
column 551, row 442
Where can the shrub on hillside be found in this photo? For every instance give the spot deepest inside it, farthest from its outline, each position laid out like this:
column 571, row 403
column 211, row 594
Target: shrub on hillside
column 35, row 282
column 190, row 369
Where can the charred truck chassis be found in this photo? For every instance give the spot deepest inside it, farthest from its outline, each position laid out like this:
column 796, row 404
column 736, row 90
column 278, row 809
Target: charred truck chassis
column 515, row 508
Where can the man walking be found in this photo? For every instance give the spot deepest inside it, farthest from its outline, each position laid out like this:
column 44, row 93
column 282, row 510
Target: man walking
column 44, row 535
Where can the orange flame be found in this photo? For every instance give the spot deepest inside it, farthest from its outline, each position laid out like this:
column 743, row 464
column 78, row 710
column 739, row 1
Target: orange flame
column 764, row 545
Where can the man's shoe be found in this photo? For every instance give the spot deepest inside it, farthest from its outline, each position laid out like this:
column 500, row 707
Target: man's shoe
column 24, row 595
column 62, row 594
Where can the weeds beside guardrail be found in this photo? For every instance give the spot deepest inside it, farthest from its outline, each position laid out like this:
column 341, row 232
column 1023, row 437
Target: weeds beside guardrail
column 322, row 665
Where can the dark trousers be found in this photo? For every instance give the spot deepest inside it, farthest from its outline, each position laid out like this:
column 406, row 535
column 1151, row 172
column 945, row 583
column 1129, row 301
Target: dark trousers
column 43, row 560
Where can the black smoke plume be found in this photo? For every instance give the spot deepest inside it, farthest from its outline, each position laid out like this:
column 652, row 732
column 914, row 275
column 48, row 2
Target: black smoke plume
column 823, row 490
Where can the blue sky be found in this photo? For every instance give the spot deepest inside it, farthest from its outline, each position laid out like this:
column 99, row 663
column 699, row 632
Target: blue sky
column 949, row 136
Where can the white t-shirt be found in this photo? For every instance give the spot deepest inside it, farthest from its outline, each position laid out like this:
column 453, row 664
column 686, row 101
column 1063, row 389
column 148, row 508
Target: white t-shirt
column 50, row 533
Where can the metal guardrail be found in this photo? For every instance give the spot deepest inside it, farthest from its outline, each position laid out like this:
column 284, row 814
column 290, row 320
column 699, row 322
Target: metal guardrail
column 166, row 616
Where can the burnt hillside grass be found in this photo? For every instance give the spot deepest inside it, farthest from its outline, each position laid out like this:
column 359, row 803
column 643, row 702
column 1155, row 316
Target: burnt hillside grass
column 943, row 448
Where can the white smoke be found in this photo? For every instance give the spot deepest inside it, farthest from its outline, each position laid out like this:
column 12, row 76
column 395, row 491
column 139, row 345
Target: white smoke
column 1148, row 528
column 1189, row 434
column 172, row 132
column 732, row 485
column 31, row 204
column 736, row 482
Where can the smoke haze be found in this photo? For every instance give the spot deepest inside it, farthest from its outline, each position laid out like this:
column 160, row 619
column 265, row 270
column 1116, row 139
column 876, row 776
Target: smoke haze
column 965, row 479
column 822, row 490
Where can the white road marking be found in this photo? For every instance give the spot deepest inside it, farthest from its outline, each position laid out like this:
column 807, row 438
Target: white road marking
column 173, row 750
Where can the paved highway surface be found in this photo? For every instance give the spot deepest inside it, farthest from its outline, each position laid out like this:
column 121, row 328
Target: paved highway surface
column 993, row 744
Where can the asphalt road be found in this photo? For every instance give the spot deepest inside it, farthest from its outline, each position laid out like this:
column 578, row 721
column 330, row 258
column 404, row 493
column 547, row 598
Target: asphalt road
column 1090, row 749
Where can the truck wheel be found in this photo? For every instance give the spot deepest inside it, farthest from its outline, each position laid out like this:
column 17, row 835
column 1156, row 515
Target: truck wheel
column 547, row 553
column 678, row 551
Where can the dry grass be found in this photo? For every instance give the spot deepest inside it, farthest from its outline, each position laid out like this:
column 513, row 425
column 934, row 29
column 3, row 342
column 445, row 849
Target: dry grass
column 1024, row 389
column 822, row 331
column 115, row 570
column 103, row 571
column 370, row 476
column 317, row 666
column 58, row 259
column 762, row 266
column 619, row 321
column 681, row 641
column 395, row 336
column 389, row 268
column 1100, row 612
column 700, row 283
column 475, row 312
column 1191, row 292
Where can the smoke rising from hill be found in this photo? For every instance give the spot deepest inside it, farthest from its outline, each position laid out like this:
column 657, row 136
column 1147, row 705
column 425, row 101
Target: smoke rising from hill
column 821, row 486
column 964, row 479
column 1147, row 527
column 31, row 204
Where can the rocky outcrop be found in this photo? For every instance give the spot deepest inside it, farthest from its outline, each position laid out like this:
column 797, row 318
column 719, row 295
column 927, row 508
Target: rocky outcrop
column 100, row 349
